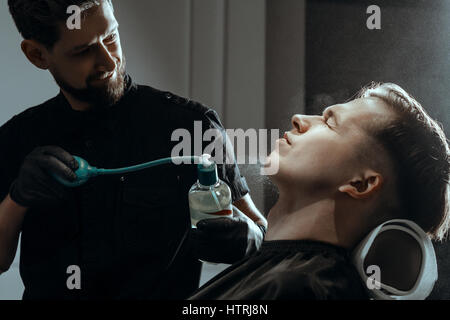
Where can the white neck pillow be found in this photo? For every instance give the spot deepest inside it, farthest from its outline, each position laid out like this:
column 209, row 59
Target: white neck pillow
column 427, row 267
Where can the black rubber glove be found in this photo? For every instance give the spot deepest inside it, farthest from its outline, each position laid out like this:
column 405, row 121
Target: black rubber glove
column 35, row 186
column 225, row 240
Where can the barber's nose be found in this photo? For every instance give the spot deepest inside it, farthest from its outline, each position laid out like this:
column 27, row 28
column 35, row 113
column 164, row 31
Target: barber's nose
column 105, row 62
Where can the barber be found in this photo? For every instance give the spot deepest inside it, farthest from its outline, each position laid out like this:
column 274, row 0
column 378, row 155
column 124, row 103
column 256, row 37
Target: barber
column 120, row 231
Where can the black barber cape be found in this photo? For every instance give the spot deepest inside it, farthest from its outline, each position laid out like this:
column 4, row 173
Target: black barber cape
column 288, row 269
column 121, row 231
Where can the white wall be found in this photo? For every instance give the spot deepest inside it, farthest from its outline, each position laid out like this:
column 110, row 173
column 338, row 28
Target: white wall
column 22, row 84
column 11, row 287
column 209, row 50
column 245, row 49
column 155, row 39
column 13, row 67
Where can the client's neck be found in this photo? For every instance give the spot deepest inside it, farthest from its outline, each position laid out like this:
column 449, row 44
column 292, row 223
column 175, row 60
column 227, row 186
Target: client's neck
column 293, row 218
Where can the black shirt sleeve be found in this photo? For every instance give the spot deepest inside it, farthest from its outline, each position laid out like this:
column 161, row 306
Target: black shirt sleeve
column 184, row 113
column 9, row 165
column 228, row 171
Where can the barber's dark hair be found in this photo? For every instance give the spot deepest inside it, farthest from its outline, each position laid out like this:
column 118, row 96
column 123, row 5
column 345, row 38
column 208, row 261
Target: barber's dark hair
column 39, row 19
column 420, row 152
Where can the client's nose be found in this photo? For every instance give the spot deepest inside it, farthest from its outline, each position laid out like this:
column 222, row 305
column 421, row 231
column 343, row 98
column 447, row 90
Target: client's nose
column 298, row 123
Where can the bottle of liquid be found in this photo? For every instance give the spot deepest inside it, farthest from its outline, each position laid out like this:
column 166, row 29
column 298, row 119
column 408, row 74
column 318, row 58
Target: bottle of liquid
column 209, row 197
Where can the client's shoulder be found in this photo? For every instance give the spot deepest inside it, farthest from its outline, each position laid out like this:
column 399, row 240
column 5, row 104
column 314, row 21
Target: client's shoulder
column 315, row 272
column 320, row 278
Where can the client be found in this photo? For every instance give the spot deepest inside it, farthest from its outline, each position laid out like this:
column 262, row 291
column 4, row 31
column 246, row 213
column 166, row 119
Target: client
column 376, row 158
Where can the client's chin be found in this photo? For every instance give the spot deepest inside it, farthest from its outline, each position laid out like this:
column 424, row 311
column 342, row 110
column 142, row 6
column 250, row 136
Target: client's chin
column 271, row 164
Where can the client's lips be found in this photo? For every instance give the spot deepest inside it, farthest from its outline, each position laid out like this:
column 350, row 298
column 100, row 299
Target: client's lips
column 286, row 137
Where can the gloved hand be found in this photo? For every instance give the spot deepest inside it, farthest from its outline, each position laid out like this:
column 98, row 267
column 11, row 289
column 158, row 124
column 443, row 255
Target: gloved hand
column 226, row 240
column 35, row 186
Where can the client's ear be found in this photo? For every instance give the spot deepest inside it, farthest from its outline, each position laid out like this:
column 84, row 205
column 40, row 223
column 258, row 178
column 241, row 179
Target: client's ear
column 363, row 186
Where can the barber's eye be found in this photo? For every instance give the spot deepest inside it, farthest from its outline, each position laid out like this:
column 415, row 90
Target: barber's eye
column 112, row 38
column 82, row 52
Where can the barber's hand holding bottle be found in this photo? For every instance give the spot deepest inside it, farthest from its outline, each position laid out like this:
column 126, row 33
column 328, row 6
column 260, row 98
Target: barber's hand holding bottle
column 35, row 186
column 226, row 240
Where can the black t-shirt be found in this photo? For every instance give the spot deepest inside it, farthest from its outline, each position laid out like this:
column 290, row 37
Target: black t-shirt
column 120, row 230
column 288, row 269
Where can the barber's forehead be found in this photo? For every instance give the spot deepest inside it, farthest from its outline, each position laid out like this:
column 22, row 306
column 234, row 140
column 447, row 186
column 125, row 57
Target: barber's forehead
column 98, row 20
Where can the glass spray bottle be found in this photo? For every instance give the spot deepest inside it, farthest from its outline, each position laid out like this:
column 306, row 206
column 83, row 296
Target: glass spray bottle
column 209, row 197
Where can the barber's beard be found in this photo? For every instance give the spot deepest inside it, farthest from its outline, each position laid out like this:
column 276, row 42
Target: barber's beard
column 98, row 97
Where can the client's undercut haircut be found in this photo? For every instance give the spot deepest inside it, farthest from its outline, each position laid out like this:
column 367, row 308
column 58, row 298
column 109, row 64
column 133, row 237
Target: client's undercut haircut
column 40, row 19
column 420, row 153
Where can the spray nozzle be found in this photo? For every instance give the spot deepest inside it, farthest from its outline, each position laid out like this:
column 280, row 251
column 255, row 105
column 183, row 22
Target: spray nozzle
column 207, row 171
column 205, row 160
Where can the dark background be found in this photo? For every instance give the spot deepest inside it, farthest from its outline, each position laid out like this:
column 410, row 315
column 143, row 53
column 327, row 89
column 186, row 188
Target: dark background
column 412, row 49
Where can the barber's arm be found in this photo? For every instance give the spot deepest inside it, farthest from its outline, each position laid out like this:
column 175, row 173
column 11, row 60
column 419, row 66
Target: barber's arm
column 33, row 187
column 247, row 206
column 230, row 173
column 226, row 240
column 11, row 218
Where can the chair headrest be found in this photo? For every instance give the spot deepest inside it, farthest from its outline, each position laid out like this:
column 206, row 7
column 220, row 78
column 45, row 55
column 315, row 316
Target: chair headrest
column 405, row 258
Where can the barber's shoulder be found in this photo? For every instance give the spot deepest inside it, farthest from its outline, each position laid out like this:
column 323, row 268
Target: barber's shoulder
column 29, row 114
column 12, row 131
column 190, row 110
column 174, row 101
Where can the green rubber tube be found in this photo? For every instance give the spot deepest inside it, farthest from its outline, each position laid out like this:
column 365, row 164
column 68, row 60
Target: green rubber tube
column 85, row 171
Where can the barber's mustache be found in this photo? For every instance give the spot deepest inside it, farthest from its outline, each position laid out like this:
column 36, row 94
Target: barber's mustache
column 102, row 75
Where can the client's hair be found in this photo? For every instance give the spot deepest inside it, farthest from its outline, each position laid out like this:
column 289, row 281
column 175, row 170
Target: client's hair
column 420, row 154
column 40, row 19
